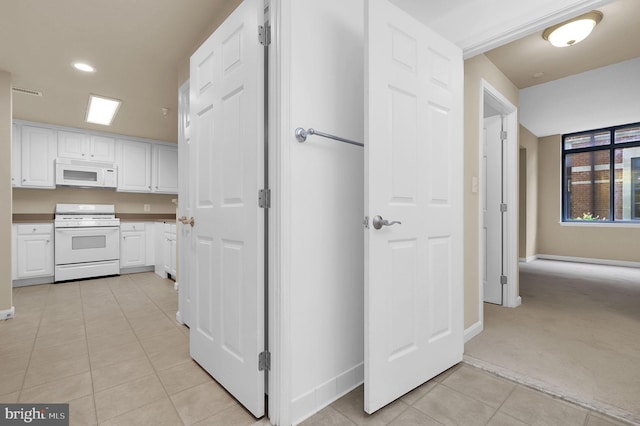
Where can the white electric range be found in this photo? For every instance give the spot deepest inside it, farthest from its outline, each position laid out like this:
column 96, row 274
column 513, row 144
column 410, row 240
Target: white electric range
column 87, row 241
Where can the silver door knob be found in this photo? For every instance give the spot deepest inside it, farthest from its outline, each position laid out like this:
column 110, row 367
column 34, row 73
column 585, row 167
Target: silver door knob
column 379, row 222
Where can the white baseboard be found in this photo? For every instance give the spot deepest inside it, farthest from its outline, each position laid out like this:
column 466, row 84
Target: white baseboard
column 473, row 331
column 6, row 314
column 32, row 281
column 610, row 262
column 315, row 400
column 528, row 259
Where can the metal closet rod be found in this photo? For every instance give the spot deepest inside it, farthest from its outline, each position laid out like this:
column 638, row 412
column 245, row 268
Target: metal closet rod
column 301, row 135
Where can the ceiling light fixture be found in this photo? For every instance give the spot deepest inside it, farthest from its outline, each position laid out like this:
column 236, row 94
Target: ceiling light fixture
column 84, row 67
column 572, row 31
column 102, row 110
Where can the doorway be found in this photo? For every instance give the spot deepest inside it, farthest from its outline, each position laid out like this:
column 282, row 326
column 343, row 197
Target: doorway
column 498, row 214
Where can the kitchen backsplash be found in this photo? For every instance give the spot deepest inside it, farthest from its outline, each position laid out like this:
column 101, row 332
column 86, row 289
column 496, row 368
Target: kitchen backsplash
column 45, row 200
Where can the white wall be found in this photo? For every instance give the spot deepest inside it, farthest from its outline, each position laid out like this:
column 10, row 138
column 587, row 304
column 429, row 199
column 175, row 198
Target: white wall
column 603, row 97
column 325, row 205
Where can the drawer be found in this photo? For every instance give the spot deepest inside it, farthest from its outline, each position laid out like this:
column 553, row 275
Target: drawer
column 131, row 226
column 35, row 228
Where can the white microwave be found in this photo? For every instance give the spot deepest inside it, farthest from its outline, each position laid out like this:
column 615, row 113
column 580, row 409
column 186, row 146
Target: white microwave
column 86, row 173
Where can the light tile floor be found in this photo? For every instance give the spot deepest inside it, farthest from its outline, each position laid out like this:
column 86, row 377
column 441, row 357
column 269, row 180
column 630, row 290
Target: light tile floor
column 112, row 349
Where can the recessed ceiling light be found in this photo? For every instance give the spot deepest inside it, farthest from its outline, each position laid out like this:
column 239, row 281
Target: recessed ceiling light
column 84, row 67
column 102, row 110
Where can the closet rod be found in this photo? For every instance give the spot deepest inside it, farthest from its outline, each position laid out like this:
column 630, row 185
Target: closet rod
column 301, row 135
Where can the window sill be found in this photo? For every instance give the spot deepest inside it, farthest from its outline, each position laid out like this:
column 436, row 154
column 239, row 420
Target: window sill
column 596, row 224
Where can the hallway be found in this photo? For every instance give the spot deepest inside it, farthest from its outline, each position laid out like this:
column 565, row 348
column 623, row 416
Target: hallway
column 577, row 334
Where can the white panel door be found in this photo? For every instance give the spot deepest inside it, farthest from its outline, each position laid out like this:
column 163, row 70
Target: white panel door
column 184, row 208
column 413, row 175
column 492, row 216
column 227, row 169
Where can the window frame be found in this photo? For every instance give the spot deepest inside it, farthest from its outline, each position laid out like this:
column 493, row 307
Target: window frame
column 611, row 147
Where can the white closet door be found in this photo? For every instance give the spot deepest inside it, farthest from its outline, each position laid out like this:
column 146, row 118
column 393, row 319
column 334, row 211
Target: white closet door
column 413, row 174
column 227, row 170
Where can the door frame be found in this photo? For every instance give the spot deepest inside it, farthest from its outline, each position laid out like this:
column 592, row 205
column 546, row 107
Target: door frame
column 510, row 295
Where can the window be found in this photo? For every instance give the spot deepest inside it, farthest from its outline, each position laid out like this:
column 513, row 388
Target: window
column 601, row 175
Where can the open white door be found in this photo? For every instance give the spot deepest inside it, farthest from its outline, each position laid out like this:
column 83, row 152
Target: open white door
column 413, row 174
column 185, row 248
column 227, row 169
column 492, row 198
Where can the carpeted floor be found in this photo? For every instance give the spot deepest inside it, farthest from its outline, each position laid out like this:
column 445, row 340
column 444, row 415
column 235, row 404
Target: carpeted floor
column 576, row 334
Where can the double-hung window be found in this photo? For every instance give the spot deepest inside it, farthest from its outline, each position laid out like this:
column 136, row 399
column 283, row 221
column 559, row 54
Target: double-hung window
column 601, row 175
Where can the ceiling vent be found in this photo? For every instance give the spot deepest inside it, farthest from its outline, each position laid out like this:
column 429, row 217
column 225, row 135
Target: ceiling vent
column 27, row 91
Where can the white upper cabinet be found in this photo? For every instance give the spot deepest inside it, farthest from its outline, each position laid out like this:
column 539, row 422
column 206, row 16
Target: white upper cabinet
column 134, row 166
column 16, row 163
column 38, row 153
column 165, row 169
column 83, row 146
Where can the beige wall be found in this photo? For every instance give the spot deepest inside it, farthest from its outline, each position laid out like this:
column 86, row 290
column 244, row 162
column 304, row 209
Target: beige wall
column 477, row 68
column 610, row 242
column 44, row 200
column 5, row 191
column 528, row 194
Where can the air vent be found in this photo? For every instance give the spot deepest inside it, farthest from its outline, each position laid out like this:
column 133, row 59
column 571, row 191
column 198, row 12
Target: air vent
column 27, row 91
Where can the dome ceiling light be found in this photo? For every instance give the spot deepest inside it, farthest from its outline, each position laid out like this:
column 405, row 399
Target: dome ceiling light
column 572, row 31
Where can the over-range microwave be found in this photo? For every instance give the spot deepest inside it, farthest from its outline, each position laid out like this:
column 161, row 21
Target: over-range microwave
column 93, row 174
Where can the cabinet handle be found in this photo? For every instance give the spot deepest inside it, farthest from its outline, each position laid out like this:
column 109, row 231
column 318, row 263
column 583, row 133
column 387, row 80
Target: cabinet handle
column 124, row 237
column 34, row 229
column 48, row 241
column 24, row 180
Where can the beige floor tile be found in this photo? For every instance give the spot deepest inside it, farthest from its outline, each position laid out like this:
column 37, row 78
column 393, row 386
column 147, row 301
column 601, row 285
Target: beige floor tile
column 598, row 420
column 235, row 415
column 102, row 342
column 121, row 399
column 160, row 342
column 158, row 413
column 170, row 357
column 450, row 407
column 106, row 327
column 501, row 419
column 440, row 377
column 13, row 364
column 10, row 398
column 44, row 371
column 12, row 381
column 328, row 416
column 152, row 325
column 62, row 390
column 60, row 335
column 352, row 406
column 73, row 349
column 114, row 355
column 122, row 372
column 183, row 376
column 202, row 401
column 82, row 412
column 413, row 417
column 10, row 349
column 419, row 392
column 538, row 409
column 480, row 385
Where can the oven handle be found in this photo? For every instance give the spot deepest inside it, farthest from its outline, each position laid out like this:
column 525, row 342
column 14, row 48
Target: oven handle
column 88, row 228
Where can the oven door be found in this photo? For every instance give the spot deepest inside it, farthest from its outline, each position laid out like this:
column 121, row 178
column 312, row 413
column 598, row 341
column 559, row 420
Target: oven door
column 78, row 245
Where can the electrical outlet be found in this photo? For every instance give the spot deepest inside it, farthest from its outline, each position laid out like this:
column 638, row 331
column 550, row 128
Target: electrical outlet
column 147, row 207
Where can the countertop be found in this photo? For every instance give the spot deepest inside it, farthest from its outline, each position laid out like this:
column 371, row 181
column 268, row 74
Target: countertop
column 125, row 217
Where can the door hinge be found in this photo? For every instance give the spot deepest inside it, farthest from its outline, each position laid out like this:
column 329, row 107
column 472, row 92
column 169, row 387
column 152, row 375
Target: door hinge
column 264, row 198
column 503, row 135
column 264, row 361
column 365, row 222
column 264, row 35
column 503, row 208
column 503, row 279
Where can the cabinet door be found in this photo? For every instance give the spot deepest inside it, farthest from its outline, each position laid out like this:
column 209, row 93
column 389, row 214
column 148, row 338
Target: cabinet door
column 165, row 169
column 38, row 150
column 134, row 166
column 16, row 163
column 102, row 148
column 35, row 255
column 72, row 144
column 132, row 249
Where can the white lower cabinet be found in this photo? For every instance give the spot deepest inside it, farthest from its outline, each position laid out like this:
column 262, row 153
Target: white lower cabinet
column 34, row 250
column 169, row 252
column 135, row 248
